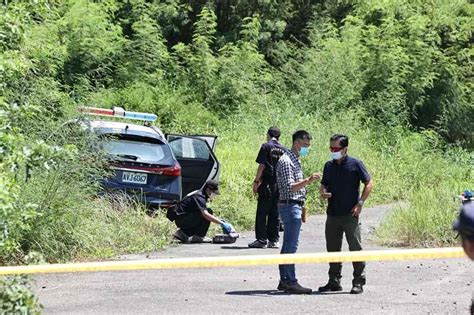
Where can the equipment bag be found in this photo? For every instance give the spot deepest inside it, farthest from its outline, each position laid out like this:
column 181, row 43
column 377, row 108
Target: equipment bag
column 225, row 238
column 171, row 212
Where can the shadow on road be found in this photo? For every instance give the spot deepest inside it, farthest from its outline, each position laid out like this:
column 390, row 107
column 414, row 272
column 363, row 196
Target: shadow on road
column 276, row 292
column 257, row 292
column 234, row 247
column 330, row 293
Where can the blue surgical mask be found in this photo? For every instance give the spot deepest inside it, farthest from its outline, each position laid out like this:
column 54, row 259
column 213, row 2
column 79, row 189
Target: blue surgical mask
column 304, row 151
column 336, row 155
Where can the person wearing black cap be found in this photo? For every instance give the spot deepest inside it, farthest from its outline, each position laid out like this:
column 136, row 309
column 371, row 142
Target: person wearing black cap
column 464, row 224
column 265, row 185
column 194, row 217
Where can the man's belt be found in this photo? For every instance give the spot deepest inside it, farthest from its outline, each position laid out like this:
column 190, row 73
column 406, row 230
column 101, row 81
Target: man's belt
column 292, row 202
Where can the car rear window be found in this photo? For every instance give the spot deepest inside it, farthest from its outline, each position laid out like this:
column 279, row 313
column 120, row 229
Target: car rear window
column 190, row 148
column 138, row 151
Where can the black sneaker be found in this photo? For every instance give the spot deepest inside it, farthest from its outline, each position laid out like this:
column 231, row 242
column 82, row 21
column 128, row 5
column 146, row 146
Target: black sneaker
column 282, row 286
column 200, row 239
column 257, row 244
column 330, row 286
column 296, row 288
column 357, row 289
column 181, row 236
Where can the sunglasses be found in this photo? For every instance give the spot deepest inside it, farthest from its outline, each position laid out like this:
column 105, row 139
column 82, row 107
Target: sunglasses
column 466, row 235
column 335, row 149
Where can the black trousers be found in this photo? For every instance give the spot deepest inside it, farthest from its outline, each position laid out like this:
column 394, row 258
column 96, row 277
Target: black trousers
column 267, row 222
column 193, row 223
column 336, row 227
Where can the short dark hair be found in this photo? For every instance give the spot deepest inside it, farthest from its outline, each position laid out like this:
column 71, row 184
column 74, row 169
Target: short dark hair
column 301, row 135
column 212, row 185
column 343, row 140
column 274, row 132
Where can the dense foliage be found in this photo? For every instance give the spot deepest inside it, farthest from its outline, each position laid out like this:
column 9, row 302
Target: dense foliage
column 395, row 75
column 17, row 298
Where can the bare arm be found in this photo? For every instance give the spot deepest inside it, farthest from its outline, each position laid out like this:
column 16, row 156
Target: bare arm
column 211, row 218
column 258, row 178
column 323, row 192
column 357, row 209
column 367, row 189
column 298, row 185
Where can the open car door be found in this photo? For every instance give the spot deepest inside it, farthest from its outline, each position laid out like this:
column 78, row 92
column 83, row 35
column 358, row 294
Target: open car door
column 197, row 159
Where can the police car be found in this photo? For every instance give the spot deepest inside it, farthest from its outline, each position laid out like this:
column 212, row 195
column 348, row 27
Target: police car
column 157, row 169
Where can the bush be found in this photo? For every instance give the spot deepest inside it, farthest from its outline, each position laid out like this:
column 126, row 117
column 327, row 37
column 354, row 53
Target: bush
column 112, row 226
column 17, row 298
column 430, row 180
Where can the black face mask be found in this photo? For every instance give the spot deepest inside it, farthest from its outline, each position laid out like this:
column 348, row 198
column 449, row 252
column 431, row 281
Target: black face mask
column 210, row 194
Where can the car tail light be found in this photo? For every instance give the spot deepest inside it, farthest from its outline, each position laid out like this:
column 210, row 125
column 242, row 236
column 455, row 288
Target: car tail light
column 167, row 171
column 172, row 171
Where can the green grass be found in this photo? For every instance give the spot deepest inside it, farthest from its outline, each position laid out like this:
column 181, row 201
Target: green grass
column 118, row 226
column 432, row 181
column 70, row 223
column 405, row 166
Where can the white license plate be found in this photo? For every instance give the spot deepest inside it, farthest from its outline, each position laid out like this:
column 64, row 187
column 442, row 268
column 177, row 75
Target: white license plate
column 134, row 178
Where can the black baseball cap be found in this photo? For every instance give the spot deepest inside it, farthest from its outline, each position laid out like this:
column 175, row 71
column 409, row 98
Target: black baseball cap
column 212, row 185
column 464, row 224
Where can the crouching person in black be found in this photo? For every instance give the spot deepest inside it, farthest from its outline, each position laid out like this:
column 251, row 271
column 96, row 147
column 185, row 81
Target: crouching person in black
column 194, row 218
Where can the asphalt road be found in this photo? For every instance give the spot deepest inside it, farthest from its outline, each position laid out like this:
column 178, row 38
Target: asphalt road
column 415, row 287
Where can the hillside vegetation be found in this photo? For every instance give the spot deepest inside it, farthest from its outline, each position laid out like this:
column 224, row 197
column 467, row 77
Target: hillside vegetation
column 394, row 75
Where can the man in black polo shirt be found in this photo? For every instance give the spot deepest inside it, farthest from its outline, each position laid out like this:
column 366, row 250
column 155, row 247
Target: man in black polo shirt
column 340, row 184
column 194, row 218
column 464, row 224
column 265, row 185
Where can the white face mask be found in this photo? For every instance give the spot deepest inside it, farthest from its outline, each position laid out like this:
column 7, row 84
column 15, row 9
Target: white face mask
column 212, row 196
column 336, row 155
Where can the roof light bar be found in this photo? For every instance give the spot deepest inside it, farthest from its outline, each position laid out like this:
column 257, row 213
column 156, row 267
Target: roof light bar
column 96, row 111
column 117, row 112
column 140, row 116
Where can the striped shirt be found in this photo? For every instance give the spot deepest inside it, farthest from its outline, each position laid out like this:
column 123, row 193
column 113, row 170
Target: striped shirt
column 288, row 172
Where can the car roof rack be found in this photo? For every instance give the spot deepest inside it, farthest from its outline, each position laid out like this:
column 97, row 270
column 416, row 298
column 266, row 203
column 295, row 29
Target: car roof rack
column 117, row 112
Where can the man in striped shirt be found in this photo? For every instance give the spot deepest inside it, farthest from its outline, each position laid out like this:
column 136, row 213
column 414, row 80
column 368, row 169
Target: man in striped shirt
column 291, row 185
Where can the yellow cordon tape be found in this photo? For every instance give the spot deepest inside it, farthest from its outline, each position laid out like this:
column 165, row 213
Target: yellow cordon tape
column 235, row 261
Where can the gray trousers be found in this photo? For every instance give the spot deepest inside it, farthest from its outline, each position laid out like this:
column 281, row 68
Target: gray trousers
column 336, row 226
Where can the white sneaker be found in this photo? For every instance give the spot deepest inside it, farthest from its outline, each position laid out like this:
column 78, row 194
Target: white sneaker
column 273, row 245
column 199, row 239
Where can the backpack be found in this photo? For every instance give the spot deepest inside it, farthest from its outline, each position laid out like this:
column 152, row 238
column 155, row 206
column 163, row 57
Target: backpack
column 171, row 212
column 272, row 159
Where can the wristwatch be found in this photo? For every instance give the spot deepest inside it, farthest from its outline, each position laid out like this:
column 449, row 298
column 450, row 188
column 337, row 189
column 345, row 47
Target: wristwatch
column 361, row 202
